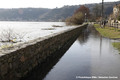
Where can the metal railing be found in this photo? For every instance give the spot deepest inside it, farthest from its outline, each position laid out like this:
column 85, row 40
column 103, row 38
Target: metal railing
column 115, row 25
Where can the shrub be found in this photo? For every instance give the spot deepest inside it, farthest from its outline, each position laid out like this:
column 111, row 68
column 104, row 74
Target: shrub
column 76, row 19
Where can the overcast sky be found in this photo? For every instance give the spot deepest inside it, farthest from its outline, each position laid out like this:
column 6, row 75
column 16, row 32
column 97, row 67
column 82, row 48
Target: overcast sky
column 44, row 3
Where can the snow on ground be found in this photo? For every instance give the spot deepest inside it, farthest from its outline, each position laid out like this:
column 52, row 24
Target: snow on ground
column 33, row 30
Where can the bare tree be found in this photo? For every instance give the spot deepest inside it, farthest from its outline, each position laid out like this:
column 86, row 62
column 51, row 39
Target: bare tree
column 20, row 36
column 9, row 35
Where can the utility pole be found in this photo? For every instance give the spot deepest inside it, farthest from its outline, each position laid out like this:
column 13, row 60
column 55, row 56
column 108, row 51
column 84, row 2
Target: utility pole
column 85, row 17
column 103, row 13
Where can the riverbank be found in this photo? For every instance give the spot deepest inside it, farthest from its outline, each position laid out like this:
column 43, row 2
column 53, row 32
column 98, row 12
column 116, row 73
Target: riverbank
column 109, row 32
column 116, row 45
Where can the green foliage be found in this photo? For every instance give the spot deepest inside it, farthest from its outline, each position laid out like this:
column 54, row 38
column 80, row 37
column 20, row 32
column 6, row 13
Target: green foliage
column 76, row 19
column 96, row 25
column 116, row 45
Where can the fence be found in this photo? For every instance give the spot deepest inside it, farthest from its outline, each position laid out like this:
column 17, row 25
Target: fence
column 115, row 25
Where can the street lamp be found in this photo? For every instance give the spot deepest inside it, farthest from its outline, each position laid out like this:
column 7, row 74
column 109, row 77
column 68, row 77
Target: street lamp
column 102, row 8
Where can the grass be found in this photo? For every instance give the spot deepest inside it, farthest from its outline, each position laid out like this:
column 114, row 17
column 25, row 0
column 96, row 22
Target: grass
column 116, row 45
column 108, row 32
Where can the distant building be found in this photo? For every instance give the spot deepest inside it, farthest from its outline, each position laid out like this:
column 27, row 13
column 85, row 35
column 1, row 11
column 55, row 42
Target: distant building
column 114, row 17
column 116, row 11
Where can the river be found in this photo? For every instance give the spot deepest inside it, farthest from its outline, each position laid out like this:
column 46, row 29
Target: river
column 90, row 57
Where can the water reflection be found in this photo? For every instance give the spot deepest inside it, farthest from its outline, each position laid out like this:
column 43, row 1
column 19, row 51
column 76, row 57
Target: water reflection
column 43, row 69
column 90, row 55
column 83, row 36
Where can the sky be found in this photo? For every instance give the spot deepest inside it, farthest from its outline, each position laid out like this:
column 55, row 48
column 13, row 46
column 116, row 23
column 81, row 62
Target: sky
column 45, row 3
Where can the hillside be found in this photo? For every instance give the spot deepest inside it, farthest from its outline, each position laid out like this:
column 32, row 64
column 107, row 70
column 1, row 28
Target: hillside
column 59, row 13
column 44, row 14
column 22, row 14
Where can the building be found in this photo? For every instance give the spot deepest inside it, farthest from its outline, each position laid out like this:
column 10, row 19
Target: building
column 116, row 11
column 114, row 17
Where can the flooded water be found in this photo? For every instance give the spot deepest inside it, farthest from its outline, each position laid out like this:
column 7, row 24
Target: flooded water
column 90, row 57
column 26, row 31
column 31, row 30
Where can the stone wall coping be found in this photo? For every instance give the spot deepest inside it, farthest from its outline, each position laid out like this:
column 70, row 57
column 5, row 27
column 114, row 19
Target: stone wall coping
column 21, row 45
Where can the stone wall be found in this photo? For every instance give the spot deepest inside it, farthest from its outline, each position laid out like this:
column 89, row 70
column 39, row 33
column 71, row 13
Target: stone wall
column 17, row 62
